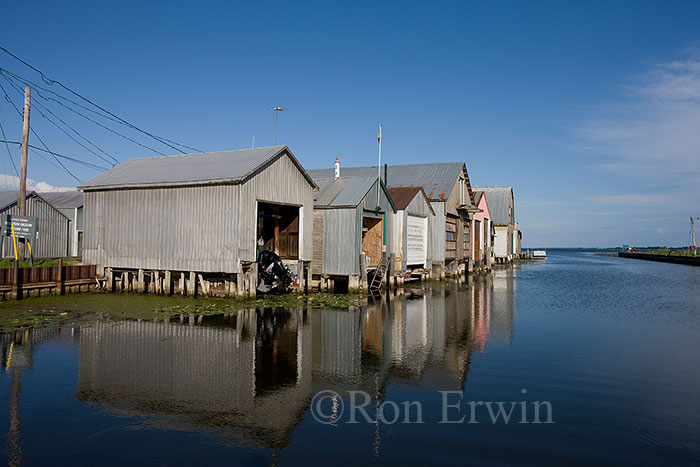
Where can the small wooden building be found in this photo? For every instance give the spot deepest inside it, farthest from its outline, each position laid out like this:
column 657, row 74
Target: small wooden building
column 53, row 227
column 200, row 215
column 414, row 223
column 502, row 207
column 353, row 218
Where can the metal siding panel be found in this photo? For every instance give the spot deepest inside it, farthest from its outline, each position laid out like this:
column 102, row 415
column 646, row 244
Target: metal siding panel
column 180, row 229
column 342, row 238
column 53, row 233
column 438, row 232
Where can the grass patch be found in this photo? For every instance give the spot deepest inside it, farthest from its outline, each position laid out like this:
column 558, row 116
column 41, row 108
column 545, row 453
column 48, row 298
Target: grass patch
column 666, row 252
column 82, row 308
column 43, row 262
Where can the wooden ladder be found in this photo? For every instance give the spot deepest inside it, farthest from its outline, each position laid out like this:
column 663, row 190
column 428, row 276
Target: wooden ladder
column 379, row 274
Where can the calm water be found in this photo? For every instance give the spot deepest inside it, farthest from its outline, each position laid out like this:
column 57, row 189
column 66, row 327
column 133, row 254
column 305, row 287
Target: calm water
column 612, row 344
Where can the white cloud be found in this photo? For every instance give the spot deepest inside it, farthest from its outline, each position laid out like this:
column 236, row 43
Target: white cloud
column 653, row 132
column 11, row 182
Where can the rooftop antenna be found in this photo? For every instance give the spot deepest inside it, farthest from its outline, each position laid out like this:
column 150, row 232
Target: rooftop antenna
column 277, row 111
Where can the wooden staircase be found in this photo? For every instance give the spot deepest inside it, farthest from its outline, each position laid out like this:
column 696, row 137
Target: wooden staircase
column 379, row 274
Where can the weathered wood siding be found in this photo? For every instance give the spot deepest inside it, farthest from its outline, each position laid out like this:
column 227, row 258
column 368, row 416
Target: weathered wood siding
column 463, row 225
column 180, row 229
column 370, row 204
column 281, row 182
column 52, row 236
column 317, row 261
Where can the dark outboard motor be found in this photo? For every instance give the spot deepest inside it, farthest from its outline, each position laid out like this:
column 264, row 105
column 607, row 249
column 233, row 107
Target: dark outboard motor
column 273, row 275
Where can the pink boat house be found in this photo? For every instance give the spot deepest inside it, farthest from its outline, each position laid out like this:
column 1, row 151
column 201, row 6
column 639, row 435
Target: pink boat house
column 483, row 232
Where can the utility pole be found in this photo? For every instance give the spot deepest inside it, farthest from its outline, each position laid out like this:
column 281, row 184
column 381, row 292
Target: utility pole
column 277, row 111
column 22, row 200
column 692, row 231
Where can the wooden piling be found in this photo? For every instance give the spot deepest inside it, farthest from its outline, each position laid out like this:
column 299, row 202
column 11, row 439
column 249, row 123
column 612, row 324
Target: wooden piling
column 110, row 280
column 59, row 277
column 168, row 283
column 254, row 279
column 240, row 280
column 192, row 284
column 141, row 283
column 16, row 282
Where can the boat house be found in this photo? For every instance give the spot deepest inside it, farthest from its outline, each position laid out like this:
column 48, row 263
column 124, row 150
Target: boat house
column 352, row 219
column 414, row 223
column 199, row 218
column 483, row 231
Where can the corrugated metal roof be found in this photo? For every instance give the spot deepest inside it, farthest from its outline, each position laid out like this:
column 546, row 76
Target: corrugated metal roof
column 403, row 195
column 499, row 199
column 342, row 191
column 63, row 199
column 189, row 169
column 328, row 190
column 9, row 198
column 437, row 179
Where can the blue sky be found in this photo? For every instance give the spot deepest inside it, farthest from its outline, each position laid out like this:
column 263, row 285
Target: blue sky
column 590, row 110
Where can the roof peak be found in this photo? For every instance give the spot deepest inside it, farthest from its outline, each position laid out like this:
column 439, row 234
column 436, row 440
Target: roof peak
column 279, row 147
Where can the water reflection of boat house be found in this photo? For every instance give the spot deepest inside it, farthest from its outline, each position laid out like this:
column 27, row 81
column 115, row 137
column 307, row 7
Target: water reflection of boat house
column 226, row 377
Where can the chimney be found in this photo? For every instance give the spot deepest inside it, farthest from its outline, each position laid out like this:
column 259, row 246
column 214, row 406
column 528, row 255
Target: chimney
column 385, row 175
column 337, row 168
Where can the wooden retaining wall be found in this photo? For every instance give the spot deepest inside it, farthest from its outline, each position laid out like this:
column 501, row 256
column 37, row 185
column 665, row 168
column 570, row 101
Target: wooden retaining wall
column 17, row 283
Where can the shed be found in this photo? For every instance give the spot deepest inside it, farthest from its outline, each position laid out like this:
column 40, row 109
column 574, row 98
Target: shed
column 202, row 213
column 52, row 226
column 414, row 219
column 502, row 207
column 352, row 217
column 70, row 203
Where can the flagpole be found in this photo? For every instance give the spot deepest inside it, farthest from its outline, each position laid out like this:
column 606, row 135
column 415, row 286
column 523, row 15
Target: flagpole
column 379, row 165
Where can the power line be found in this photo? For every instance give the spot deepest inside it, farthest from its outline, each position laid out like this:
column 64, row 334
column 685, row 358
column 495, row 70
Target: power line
column 19, row 90
column 63, row 156
column 38, row 93
column 50, row 82
column 9, row 153
column 7, row 98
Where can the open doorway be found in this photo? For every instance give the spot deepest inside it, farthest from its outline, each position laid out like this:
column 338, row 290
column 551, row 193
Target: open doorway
column 372, row 240
column 278, row 229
